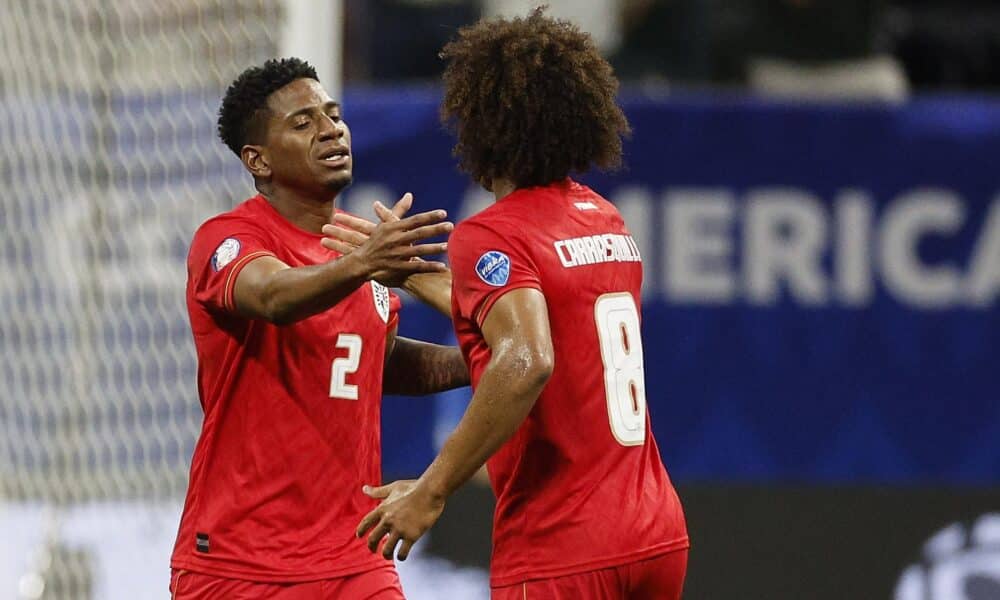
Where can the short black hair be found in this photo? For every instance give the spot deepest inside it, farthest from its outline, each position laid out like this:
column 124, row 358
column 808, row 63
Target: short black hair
column 244, row 107
column 531, row 100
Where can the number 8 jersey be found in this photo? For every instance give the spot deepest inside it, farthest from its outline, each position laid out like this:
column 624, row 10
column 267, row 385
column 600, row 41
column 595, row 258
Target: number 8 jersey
column 580, row 486
column 291, row 429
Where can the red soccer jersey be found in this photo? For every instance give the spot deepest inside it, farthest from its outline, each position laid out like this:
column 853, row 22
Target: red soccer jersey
column 291, row 427
column 580, row 486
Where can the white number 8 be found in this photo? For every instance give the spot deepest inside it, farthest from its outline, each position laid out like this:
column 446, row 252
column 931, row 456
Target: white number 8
column 624, row 379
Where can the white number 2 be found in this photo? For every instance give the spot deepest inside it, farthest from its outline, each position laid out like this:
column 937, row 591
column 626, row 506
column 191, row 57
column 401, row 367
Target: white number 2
column 344, row 366
column 624, row 378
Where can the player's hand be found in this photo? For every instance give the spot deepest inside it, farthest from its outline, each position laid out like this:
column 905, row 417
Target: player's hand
column 347, row 232
column 388, row 249
column 407, row 511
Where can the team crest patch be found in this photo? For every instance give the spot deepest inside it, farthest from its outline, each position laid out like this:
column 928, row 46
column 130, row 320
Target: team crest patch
column 381, row 296
column 494, row 268
column 225, row 253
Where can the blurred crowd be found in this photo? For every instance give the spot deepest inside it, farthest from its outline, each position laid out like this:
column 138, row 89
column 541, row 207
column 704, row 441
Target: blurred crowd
column 839, row 48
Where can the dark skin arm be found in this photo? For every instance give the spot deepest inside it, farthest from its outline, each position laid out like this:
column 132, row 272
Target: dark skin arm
column 433, row 289
column 269, row 289
column 347, row 233
column 416, row 368
column 517, row 332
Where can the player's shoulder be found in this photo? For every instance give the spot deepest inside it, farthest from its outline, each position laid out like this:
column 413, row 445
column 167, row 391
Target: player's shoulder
column 520, row 210
column 528, row 211
column 473, row 237
column 554, row 200
column 491, row 219
column 494, row 228
column 585, row 198
column 246, row 216
column 222, row 232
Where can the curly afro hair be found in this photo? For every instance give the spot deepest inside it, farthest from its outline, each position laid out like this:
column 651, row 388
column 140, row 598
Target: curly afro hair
column 244, row 107
column 530, row 100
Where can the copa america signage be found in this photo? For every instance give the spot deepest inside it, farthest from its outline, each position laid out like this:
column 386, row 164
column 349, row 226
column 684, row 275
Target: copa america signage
column 961, row 562
column 721, row 247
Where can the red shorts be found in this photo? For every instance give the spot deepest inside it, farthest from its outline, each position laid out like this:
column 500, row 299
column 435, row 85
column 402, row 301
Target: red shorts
column 380, row 584
column 657, row 578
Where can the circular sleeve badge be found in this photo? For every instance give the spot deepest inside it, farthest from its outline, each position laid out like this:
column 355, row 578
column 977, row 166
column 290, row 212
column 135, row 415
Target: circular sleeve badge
column 493, row 267
column 228, row 250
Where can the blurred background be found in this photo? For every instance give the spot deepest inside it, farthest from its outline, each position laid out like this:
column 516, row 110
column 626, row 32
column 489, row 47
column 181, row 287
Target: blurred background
column 813, row 183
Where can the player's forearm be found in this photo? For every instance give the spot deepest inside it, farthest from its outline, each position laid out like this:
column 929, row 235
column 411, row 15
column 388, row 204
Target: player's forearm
column 293, row 294
column 433, row 289
column 415, row 368
column 506, row 393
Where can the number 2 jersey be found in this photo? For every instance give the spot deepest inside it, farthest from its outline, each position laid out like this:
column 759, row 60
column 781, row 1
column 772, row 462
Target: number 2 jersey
column 291, row 425
column 580, row 486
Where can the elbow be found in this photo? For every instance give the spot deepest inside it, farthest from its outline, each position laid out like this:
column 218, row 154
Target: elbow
column 280, row 318
column 531, row 368
column 542, row 366
column 279, row 313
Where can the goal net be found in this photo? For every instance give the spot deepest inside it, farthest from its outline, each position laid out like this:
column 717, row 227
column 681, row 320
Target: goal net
column 109, row 163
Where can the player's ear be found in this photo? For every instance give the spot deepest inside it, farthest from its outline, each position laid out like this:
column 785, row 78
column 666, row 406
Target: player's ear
column 255, row 160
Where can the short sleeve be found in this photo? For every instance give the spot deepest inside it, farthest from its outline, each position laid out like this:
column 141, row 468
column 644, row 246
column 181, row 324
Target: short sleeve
column 221, row 248
column 485, row 265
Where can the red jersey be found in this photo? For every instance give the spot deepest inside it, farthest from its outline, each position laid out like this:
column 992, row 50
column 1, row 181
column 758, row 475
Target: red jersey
column 580, row 486
column 291, row 429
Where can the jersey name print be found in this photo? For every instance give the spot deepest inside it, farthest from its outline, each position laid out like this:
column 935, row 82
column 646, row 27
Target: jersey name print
column 595, row 249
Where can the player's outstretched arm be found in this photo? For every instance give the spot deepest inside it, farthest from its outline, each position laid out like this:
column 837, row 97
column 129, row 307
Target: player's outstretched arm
column 416, row 368
column 347, row 232
column 517, row 331
column 269, row 289
column 433, row 289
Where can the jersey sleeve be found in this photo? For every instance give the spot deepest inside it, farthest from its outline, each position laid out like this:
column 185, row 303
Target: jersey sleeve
column 220, row 249
column 486, row 265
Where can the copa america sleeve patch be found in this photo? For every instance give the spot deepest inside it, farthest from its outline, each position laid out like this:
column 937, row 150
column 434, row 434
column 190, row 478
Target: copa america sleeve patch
column 494, row 268
column 225, row 253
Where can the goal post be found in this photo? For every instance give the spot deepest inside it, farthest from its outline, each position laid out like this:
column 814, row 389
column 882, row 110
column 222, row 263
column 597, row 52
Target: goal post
column 313, row 30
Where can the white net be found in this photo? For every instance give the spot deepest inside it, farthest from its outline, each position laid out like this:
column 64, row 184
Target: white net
column 109, row 163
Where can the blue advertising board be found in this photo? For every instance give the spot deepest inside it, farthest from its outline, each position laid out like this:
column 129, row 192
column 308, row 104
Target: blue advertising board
column 821, row 282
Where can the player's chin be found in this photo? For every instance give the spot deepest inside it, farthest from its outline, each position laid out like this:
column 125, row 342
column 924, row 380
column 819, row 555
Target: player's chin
column 335, row 182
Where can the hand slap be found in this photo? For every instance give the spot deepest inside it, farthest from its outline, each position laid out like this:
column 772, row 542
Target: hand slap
column 342, row 240
column 392, row 249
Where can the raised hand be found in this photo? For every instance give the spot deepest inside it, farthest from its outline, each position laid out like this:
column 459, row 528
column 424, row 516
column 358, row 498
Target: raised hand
column 389, row 249
column 347, row 232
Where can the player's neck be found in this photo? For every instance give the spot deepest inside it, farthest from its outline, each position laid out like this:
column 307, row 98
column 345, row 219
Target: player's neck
column 305, row 212
column 502, row 187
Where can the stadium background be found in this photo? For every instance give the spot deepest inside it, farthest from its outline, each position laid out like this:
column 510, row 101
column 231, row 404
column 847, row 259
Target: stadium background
column 819, row 219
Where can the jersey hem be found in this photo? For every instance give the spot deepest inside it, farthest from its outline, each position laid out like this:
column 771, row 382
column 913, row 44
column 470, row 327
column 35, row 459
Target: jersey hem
column 594, row 565
column 274, row 577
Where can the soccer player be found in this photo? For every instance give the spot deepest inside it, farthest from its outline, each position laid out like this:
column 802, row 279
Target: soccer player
column 293, row 341
column 545, row 302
